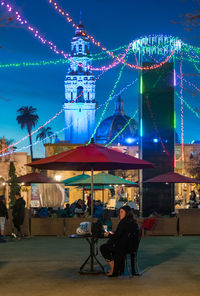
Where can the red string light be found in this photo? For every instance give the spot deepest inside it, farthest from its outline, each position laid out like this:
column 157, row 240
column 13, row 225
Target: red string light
column 182, row 122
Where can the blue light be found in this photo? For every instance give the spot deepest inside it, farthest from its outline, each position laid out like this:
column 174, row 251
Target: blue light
column 155, row 140
column 130, row 140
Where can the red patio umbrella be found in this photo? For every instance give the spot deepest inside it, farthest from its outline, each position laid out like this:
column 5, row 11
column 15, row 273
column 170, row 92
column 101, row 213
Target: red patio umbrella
column 171, row 177
column 35, row 178
column 91, row 158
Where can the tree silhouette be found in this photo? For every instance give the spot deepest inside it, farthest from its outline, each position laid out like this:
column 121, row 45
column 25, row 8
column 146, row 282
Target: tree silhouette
column 27, row 118
column 43, row 133
column 13, row 183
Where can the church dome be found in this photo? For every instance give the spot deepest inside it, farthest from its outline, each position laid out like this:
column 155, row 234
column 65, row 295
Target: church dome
column 111, row 126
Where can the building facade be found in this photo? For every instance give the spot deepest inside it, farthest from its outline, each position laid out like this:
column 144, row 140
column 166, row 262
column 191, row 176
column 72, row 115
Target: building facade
column 79, row 105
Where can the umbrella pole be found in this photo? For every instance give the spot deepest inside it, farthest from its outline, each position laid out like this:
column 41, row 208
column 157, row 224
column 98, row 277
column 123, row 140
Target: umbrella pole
column 103, row 195
column 92, row 192
column 83, row 193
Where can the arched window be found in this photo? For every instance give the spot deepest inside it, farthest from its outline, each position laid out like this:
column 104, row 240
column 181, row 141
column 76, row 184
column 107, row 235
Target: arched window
column 80, row 98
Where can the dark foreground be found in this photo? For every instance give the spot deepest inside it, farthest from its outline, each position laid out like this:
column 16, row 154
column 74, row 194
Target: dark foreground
column 43, row 266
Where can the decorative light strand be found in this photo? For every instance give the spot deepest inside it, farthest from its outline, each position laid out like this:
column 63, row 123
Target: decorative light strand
column 182, row 122
column 34, row 31
column 189, row 107
column 62, row 12
column 51, row 45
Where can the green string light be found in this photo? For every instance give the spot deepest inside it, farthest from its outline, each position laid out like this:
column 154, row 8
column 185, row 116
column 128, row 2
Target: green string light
column 124, row 127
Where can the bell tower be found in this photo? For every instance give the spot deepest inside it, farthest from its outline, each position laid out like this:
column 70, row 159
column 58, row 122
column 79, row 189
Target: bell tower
column 79, row 105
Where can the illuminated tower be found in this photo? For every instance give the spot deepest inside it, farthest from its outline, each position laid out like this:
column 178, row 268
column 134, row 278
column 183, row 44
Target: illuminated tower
column 79, row 105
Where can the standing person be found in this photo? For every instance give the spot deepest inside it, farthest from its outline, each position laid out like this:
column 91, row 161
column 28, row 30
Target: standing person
column 3, row 217
column 18, row 214
column 193, row 199
column 89, row 201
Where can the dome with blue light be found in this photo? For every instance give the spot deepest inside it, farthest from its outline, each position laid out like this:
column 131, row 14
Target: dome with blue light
column 111, row 126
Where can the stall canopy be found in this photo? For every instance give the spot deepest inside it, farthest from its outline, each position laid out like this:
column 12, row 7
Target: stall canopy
column 104, row 179
column 75, row 179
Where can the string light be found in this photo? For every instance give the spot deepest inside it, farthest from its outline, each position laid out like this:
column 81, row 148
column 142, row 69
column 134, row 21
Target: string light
column 182, row 122
column 53, row 47
column 34, row 31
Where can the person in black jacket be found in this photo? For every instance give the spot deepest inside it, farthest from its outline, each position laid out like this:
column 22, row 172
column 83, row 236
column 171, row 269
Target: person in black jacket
column 18, row 214
column 3, row 217
column 124, row 240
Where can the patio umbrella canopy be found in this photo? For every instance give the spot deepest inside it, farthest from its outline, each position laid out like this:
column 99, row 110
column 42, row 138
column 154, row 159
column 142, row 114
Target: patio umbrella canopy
column 104, row 179
column 35, row 178
column 92, row 157
column 75, row 179
column 171, row 177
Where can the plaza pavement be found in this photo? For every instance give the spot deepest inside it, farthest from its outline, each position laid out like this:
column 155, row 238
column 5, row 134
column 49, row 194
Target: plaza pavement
column 42, row 266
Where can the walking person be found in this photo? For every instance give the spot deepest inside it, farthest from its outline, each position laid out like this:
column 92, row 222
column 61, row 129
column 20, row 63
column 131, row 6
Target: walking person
column 3, row 217
column 18, row 214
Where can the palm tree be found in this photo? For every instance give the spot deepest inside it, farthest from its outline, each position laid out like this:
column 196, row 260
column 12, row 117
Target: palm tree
column 27, row 118
column 43, row 133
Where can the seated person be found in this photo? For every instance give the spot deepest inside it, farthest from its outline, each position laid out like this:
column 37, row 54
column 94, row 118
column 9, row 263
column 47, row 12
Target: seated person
column 98, row 210
column 79, row 208
column 193, row 200
column 43, row 213
column 118, row 246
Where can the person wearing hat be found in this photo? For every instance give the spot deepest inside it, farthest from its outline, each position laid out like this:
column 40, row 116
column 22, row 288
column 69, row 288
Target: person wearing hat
column 3, row 217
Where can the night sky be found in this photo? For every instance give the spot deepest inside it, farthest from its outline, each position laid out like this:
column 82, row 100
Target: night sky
column 114, row 23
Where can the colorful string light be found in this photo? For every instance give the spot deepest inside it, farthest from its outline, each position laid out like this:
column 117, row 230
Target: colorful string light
column 182, row 122
column 53, row 47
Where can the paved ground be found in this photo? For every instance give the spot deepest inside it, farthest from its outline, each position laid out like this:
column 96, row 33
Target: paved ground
column 43, row 266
